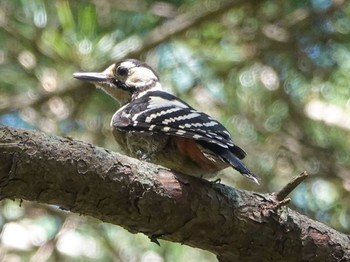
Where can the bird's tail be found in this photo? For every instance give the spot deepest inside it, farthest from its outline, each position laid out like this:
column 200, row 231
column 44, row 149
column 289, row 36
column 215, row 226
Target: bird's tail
column 237, row 164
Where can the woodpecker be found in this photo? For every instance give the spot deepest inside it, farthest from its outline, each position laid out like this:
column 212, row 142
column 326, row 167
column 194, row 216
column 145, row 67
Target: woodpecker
column 156, row 126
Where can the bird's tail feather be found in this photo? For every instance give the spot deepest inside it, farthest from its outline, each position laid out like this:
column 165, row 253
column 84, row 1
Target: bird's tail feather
column 237, row 164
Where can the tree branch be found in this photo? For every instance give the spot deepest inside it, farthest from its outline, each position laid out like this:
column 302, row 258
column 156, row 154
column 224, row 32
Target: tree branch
column 198, row 14
column 142, row 197
column 287, row 189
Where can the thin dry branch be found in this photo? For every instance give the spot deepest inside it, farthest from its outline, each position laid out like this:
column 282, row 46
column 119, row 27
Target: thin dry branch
column 197, row 15
column 292, row 184
column 234, row 224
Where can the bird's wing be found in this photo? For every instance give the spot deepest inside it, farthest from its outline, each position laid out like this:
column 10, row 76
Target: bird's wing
column 164, row 113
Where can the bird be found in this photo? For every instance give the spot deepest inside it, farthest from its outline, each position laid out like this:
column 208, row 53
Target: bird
column 156, row 126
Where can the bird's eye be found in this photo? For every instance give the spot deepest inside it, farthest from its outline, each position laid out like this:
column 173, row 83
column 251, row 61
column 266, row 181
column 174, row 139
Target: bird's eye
column 122, row 71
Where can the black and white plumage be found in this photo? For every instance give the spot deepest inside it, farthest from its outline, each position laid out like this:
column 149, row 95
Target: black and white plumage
column 155, row 125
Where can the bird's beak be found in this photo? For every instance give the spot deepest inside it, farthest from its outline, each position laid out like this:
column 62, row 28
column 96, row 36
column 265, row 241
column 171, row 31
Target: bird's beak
column 95, row 77
column 91, row 76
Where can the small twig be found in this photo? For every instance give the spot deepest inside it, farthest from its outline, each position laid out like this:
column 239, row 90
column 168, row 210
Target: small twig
column 287, row 189
column 281, row 203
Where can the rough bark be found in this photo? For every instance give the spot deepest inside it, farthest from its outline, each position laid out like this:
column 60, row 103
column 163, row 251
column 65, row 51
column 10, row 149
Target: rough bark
column 234, row 224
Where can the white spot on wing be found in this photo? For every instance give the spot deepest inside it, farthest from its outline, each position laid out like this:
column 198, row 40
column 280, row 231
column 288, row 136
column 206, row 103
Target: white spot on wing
column 179, row 118
column 161, row 113
column 211, row 123
column 135, row 117
column 180, row 132
column 189, row 125
column 227, row 133
column 217, row 143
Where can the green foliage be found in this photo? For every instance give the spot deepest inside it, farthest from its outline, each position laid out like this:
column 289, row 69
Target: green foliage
column 276, row 74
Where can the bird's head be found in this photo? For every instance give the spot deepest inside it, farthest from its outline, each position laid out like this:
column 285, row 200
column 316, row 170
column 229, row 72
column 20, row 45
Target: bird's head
column 124, row 80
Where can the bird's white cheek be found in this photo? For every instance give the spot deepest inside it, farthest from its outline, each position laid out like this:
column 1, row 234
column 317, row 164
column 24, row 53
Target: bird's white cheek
column 141, row 76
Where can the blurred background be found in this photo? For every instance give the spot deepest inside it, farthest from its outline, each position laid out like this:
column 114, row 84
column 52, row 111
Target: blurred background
column 275, row 73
